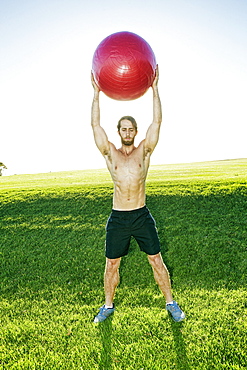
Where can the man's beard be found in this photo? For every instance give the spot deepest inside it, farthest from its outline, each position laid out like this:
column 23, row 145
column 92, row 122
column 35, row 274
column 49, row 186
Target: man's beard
column 127, row 142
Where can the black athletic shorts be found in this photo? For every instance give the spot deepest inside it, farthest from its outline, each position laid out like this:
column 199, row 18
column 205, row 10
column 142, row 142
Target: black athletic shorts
column 122, row 225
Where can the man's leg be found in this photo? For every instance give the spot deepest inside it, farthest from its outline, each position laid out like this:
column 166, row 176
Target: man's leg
column 162, row 278
column 111, row 279
column 161, row 275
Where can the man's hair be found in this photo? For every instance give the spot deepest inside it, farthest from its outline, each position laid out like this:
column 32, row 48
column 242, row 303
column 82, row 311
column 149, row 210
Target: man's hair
column 129, row 118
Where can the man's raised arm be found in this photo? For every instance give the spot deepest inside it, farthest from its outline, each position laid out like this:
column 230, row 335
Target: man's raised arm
column 152, row 135
column 100, row 136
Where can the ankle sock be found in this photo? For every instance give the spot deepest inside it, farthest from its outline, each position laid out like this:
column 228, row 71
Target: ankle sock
column 108, row 306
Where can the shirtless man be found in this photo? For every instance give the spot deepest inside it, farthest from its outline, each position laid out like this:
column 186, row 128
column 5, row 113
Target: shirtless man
column 128, row 167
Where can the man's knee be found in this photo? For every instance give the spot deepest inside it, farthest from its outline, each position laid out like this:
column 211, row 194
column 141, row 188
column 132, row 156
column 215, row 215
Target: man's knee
column 112, row 264
column 156, row 260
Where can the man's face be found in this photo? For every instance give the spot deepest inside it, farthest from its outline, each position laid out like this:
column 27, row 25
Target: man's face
column 127, row 132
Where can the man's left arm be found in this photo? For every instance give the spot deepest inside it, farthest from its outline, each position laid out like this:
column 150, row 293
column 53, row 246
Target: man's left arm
column 153, row 131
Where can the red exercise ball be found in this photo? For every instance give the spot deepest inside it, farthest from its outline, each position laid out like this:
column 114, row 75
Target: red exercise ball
column 124, row 66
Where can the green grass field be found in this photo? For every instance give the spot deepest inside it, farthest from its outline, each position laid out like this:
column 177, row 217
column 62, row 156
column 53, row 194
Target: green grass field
column 52, row 231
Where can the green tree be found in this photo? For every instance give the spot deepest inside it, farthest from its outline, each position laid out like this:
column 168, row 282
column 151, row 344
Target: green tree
column 2, row 166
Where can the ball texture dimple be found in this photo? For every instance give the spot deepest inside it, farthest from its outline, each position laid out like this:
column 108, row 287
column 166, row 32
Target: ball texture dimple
column 124, row 66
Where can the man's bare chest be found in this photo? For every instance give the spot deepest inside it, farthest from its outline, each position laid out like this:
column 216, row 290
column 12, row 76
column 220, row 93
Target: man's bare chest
column 124, row 165
column 133, row 164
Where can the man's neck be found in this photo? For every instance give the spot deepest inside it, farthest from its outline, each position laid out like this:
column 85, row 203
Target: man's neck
column 127, row 149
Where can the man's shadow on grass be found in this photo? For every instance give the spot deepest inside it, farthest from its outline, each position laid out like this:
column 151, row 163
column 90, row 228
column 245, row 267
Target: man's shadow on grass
column 182, row 362
column 105, row 329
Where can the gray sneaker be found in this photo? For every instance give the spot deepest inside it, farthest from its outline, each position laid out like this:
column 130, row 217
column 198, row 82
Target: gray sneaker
column 175, row 311
column 103, row 314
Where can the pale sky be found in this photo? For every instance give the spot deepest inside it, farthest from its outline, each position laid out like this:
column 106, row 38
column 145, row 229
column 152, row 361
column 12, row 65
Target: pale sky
column 46, row 50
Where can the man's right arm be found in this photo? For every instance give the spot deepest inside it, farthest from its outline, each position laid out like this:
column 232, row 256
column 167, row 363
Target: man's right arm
column 100, row 136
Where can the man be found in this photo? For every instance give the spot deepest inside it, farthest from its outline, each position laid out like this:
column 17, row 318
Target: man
column 128, row 167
